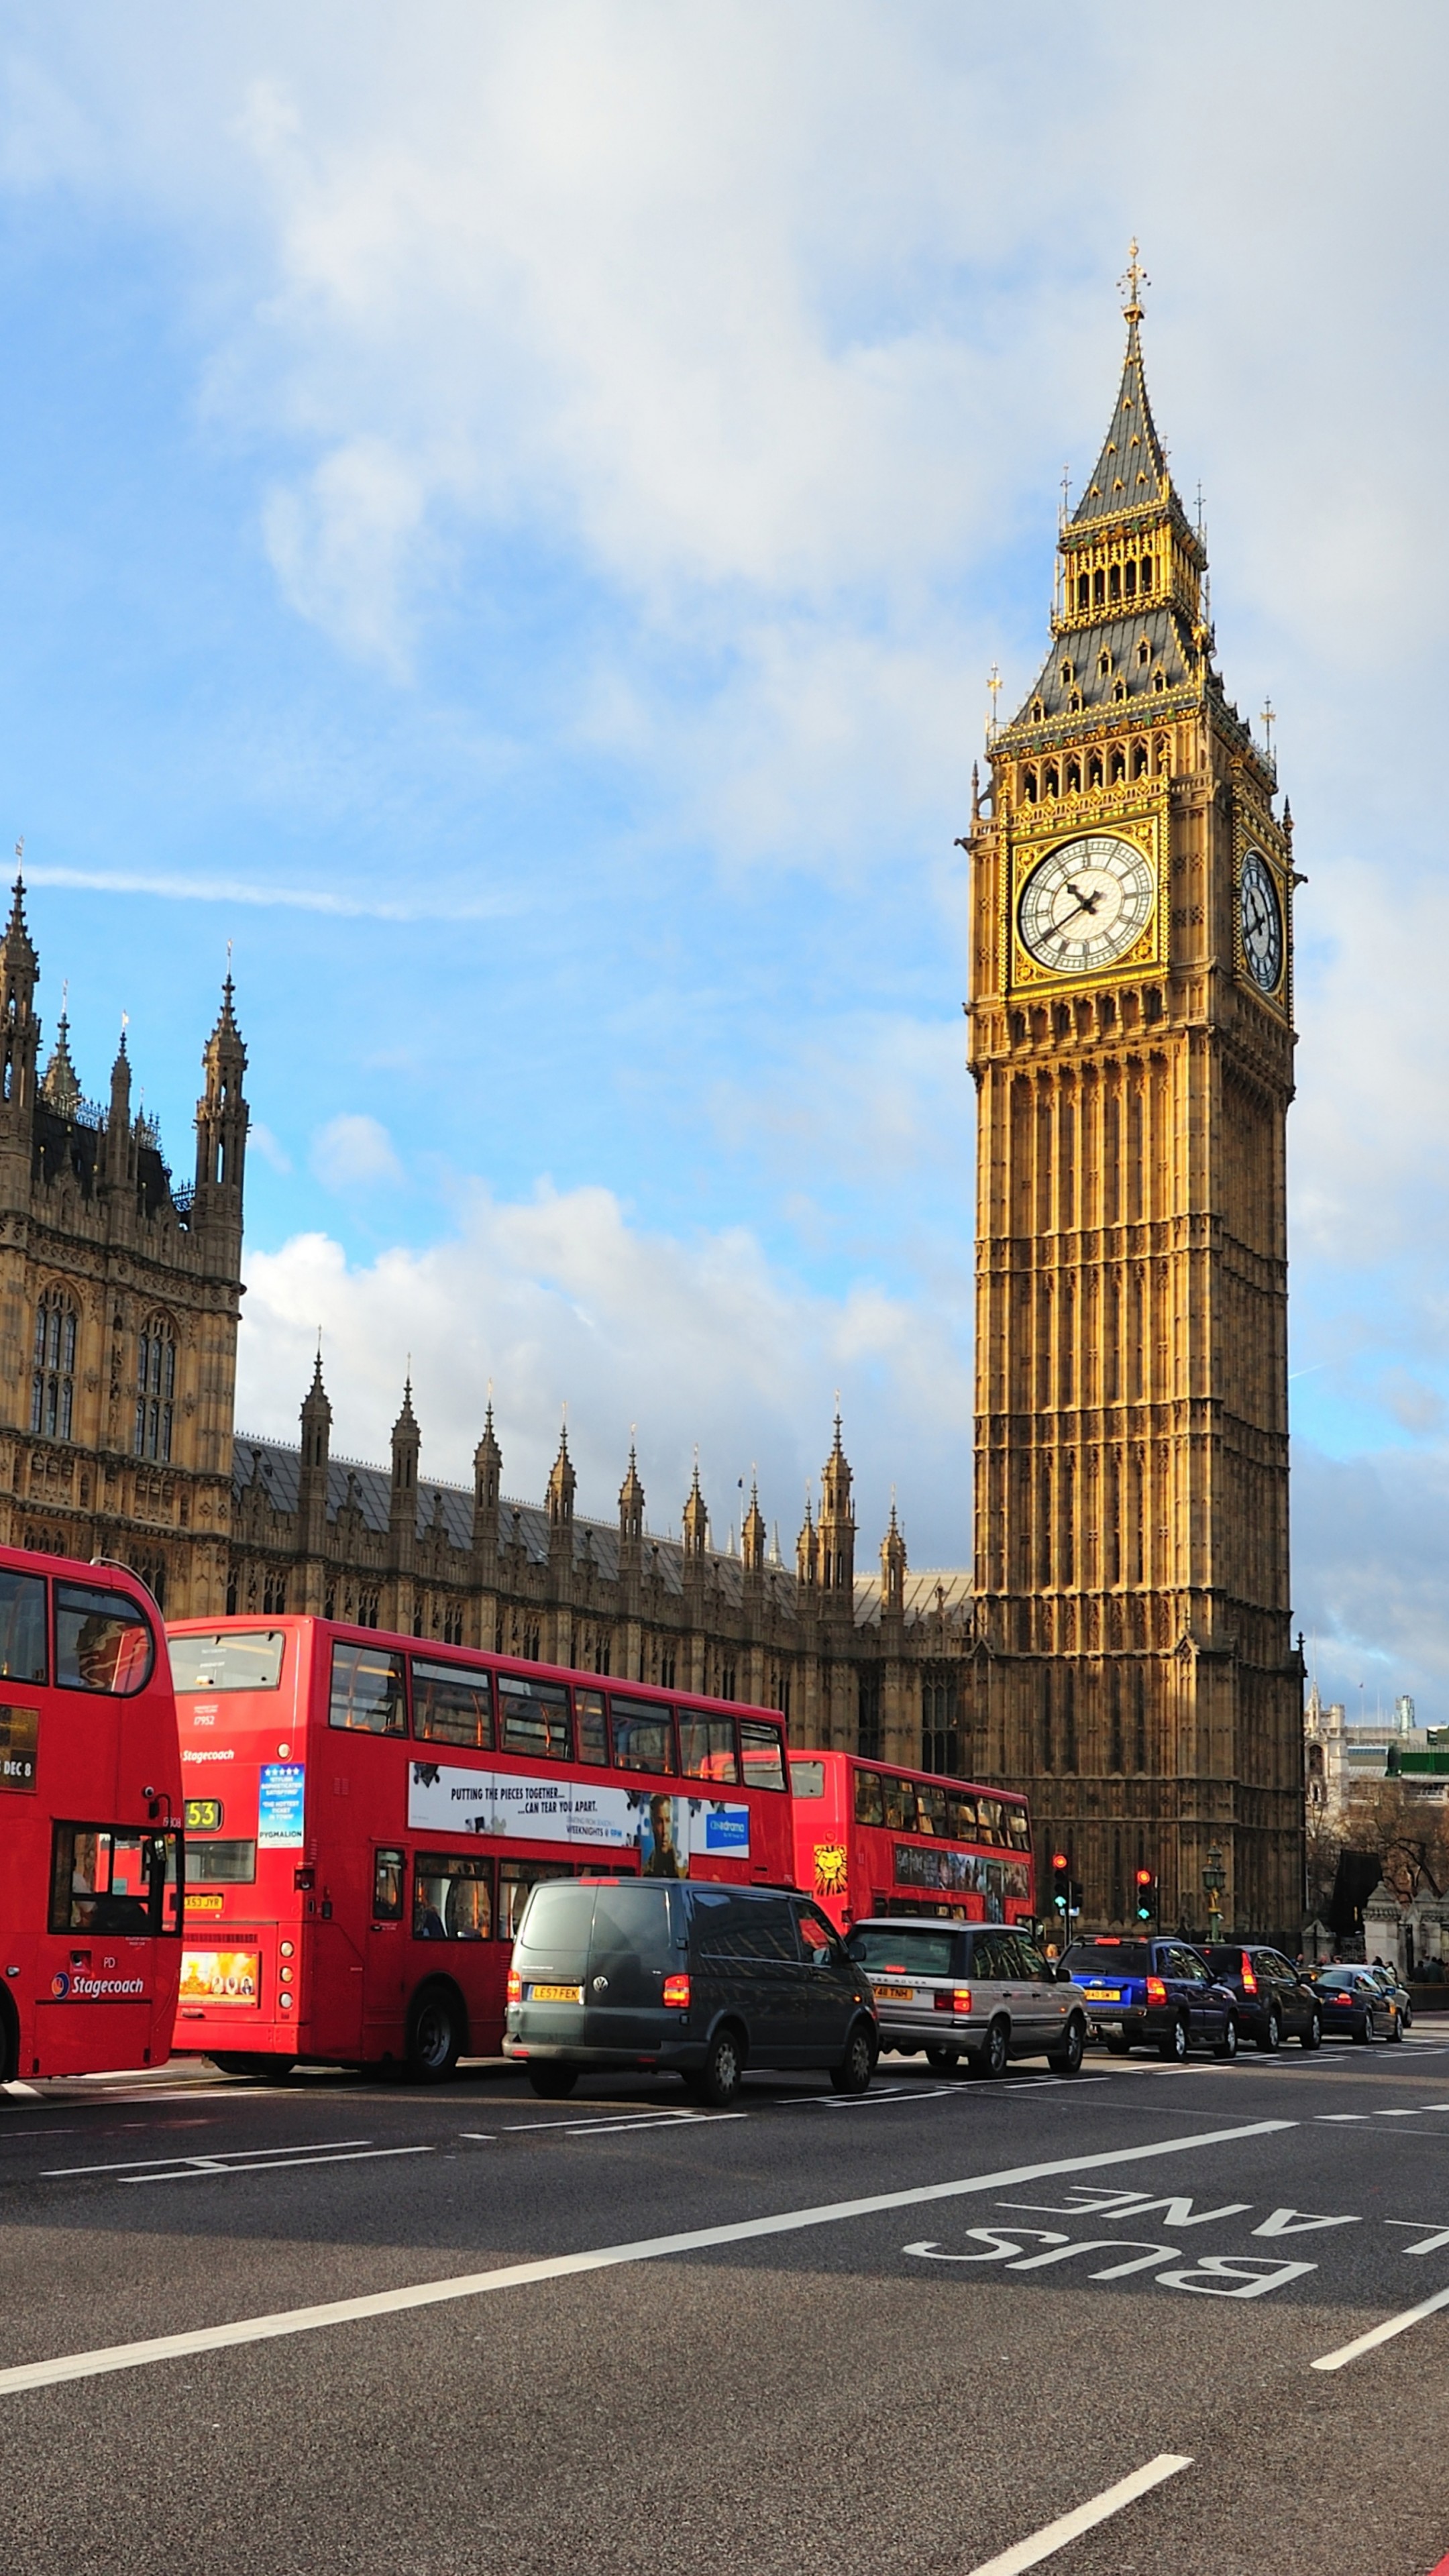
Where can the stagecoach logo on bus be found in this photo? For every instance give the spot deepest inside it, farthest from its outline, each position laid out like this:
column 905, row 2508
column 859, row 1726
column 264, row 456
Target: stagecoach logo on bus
column 665, row 1831
column 77, row 1986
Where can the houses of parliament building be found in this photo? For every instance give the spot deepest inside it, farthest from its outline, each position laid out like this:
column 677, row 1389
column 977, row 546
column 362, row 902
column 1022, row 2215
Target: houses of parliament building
column 1121, row 1647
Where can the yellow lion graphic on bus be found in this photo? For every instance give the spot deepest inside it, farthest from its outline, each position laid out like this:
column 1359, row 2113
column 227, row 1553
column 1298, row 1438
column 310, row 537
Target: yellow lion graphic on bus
column 832, row 1869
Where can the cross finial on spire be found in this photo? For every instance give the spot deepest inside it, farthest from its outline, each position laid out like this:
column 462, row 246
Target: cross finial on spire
column 1268, row 722
column 994, row 685
column 1134, row 277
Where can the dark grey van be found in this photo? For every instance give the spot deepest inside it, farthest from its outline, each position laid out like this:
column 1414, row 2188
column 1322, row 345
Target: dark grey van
column 695, row 1979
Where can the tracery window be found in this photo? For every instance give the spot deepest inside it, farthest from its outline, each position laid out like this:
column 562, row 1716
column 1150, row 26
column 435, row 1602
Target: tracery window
column 52, row 1385
column 155, row 1388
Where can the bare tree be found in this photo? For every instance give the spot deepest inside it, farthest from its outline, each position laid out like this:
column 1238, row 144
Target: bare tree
column 1322, row 1843
column 1409, row 1833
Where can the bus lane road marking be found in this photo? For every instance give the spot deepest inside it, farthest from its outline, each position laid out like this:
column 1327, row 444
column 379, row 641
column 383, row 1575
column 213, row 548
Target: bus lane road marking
column 1084, row 2517
column 512, row 2276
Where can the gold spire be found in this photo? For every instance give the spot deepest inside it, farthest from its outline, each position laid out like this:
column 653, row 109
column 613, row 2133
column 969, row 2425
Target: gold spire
column 1134, row 277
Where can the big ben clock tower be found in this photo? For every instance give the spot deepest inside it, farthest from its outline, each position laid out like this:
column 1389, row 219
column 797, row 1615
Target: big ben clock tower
column 1131, row 1041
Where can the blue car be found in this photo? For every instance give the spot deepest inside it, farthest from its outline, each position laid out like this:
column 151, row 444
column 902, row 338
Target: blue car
column 1147, row 1988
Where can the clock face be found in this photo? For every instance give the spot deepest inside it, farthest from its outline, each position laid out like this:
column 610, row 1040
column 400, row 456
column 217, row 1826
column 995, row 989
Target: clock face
column 1086, row 904
column 1260, row 922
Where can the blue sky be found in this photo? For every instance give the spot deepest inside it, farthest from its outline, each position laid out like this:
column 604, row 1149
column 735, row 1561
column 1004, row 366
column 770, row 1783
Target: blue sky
column 506, row 516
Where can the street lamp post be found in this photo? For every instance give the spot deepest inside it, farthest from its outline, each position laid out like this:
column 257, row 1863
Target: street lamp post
column 1214, row 1879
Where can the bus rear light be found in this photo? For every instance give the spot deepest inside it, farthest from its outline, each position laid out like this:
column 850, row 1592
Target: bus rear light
column 1156, row 1991
column 515, row 1987
column 1250, row 1982
column 676, row 1991
column 286, row 2002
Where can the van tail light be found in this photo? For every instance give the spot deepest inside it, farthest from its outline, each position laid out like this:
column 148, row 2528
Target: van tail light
column 1250, row 1982
column 676, row 1991
column 515, row 1987
column 1156, row 1991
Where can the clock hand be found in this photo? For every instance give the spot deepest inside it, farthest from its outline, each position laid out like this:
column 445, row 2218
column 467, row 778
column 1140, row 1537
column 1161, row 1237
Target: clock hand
column 1084, row 903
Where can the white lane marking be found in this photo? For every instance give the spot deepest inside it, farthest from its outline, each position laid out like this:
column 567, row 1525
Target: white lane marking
column 869, row 2101
column 631, row 2119
column 480, row 2137
column 1338, row 2119
column 1431, row 2243
column 1381, row 2334
column 200, row 2170
column 134, row 2164
column 1085, row 2517
column 512, row 2276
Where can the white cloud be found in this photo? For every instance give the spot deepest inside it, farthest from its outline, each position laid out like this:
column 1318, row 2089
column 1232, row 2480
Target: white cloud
column 560, row 1299
column 354, row 1152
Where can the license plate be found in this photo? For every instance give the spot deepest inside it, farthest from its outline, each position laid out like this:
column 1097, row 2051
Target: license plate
column 895, row 1994
column 555, row 1994
column 1102, row 1994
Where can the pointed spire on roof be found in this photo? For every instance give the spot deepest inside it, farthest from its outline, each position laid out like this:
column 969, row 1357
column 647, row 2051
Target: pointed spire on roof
column 16, row 949
column 562, row 1483
column 631, row 1501
column 60, row 1087
column 1131, row 471
column 695, row 1522
column 752, row 1533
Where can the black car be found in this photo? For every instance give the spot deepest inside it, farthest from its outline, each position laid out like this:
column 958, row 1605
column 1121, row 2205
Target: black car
column 687, row 1977
column 1149, row 1988
column 1275, row 2000
column 1356, row 2005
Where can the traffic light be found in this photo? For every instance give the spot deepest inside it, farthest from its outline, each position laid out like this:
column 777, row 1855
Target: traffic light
column 1061, row 1884
column 1146, row 1896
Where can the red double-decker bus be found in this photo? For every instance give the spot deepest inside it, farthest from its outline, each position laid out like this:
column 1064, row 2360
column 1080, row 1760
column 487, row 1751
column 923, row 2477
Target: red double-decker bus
column 90, row 1816
column 872, row 1839
column 366, row 1814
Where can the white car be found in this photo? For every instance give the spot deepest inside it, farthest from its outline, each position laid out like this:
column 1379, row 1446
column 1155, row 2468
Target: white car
column 978, row 1993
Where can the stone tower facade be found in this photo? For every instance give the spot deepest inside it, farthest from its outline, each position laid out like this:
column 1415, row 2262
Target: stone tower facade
column 119, row 1301
column 1131, row 1042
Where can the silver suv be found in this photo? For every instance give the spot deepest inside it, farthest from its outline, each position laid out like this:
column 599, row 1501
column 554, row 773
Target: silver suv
column 978, row 1992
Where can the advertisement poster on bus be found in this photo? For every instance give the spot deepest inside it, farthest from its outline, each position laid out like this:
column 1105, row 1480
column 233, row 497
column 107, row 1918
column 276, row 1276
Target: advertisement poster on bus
column 221, row 1977
column 280, row 1799
column 19, row 1729
column 665, row 1830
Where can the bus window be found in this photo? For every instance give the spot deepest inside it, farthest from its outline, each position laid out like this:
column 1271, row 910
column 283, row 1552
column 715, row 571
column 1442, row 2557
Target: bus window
column 450, row 1705
column 962, row 1812
column 707, row 1748
column 762, row 1754
column 593, row 1733
column 387, row 1886
column 102, row 1641
column 452, row 1897
column 930, row 1807
column 869, row 1808
column 249, row 1660
column 1018, row 1829
column 643, row 1736
column 990, row 1828
column 515, row 1878
column 533, row 1717
column 231, row 1864
column 367, row 1690
column 900, row 1805
column 807, row 1779
column 111, row 1878
column 22, row 1628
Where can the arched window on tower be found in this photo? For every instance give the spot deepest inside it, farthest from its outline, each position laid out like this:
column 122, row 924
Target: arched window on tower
column 1028, row 786
column 1147, row 572
column 1118, row 763
column 1094, row 770
column 1144, row 653
column 1159, row 681
column 155, row 1388
column 1114, row 582
column 1051, row 784
column 1099, row 589
column 1129, row 580
column 1074, row 778
column 1139, row 760
column 52, row 1385
column 1037, row 711
column 1084, row 590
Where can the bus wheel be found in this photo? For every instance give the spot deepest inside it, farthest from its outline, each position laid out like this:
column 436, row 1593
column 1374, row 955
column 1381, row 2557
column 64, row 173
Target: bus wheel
column 435, row 2036
column 9, row 2041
